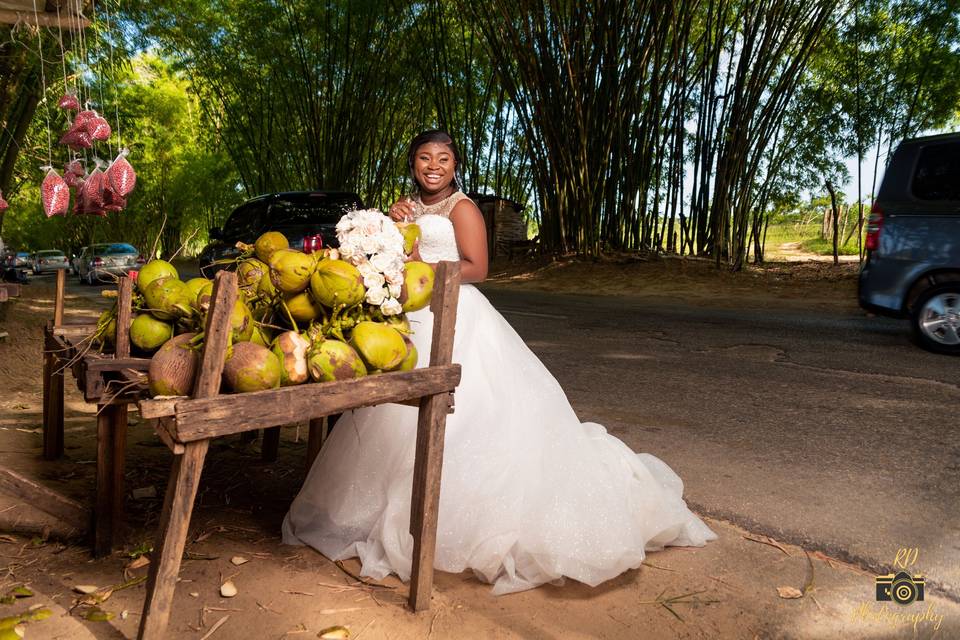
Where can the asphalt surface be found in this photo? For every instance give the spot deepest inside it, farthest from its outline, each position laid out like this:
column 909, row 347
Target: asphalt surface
column 826, row 429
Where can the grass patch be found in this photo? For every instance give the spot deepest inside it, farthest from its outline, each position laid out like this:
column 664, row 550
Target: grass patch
column 808, row 238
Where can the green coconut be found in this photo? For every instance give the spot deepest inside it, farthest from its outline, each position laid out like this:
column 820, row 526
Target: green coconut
column 417, row 286
column 410, row 233
column 260, row 336
column 167, row 298
column 290, row 270
column 302, row 307
column 201, row 299
column 241, row 321
column 337, row 282
column 195, row 285
column 154, row 270
column 173, row 367
column 331, row 360
column 249, row 274
column 251, row 367
column 380, row 345
column 265, row 287
column 149, row 333
column 399, row 322
column 291, row 349
column 268, row 244
column 410, row 361
column 107, row 326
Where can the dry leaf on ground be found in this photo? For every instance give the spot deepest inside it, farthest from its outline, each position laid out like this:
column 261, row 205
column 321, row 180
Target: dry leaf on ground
column 789, row 593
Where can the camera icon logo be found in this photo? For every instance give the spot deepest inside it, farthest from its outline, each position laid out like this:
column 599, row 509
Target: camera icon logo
column 901, row 588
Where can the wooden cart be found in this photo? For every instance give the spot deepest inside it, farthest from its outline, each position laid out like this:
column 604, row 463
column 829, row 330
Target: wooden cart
column 187, row 425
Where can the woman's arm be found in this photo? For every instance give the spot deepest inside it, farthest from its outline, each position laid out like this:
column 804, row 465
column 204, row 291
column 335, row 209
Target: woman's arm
column 471, row 233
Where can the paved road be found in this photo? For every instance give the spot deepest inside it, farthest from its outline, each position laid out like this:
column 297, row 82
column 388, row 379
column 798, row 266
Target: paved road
column 826, row 429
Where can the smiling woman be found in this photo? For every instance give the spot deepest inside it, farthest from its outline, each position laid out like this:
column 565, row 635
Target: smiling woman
column 529, row 493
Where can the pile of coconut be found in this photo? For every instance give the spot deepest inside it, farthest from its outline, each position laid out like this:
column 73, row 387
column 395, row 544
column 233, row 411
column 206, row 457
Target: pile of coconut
column 300, row 317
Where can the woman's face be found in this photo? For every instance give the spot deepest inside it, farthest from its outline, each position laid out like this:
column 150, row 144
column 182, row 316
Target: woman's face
column 434, row 167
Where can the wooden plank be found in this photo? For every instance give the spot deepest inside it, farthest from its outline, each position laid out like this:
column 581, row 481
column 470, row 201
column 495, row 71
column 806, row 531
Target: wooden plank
column 228, row 414
column 119, row 446
column 270, row 445
column 315, row 438
column 162, row 429
column 74, row 515
column 427, row 468
column 52, row 398
column 75, row 332
column 124, row 312
column 159, row 407
column 443, row 304
column 431, row 424
column 99, row 363
column 103, row 509
column 58, row 298
column 186, row 470
column 168, row 549
column 216, row 335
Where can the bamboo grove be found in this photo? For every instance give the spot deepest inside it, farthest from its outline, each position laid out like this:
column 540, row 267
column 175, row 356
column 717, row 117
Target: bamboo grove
column 623, row 125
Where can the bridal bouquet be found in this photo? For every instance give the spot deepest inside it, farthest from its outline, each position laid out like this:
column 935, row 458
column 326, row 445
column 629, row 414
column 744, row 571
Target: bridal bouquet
column 370, row 241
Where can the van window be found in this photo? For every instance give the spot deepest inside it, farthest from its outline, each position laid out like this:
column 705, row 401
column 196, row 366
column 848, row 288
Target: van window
column 938, row 172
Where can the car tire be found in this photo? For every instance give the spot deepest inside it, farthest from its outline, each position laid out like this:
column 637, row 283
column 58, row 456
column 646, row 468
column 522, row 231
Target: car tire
column 935, row 319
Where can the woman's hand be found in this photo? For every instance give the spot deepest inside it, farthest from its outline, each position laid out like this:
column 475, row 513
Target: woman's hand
column 402, row 210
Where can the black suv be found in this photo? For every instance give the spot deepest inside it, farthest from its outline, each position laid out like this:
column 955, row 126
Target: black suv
column 296, row 214
column 913, row 242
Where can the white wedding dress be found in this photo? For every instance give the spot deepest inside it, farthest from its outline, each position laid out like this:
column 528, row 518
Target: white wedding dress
column 528, row 494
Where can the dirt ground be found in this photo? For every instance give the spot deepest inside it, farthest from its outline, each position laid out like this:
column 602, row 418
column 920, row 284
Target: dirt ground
column 735, row 587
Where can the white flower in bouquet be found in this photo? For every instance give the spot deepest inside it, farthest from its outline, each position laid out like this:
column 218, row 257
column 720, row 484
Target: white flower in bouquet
column 377, row 296
column 370, row 241
column 391, row 307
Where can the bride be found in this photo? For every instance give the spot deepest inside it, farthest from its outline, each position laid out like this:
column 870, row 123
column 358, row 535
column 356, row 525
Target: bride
column 528, row 493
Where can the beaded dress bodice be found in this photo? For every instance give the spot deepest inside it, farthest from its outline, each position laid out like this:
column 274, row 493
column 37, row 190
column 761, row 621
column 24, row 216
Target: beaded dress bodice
column 437, row 239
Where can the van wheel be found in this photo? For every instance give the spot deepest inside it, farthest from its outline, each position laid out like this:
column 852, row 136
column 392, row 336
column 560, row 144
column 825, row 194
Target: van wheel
column 935, row 319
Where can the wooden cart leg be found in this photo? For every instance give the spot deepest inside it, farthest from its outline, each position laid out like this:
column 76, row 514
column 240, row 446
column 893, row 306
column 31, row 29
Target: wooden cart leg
column 111, row 440
column 315, row 438
column 426, row 496
column 171, row 539
column 270, row 445
column 52, row 405
column 119, row 443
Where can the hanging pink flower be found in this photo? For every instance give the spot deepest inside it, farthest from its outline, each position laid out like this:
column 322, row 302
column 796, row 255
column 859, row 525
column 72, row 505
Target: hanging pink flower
column 99, row 129
column 55, row 194
column 121, row 175
column 69, row 102
column 3, row 203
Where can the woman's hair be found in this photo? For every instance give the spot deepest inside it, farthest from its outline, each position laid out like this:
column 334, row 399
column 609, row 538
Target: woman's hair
column 438, row 136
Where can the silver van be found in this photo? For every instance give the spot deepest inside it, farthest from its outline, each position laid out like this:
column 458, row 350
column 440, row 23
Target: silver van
column 912, row 268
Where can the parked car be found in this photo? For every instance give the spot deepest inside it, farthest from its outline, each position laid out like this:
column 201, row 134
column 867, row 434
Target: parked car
column 98, row 261
column 912, row 268
column 19, row 260
column 297, row 215
column 49, row 260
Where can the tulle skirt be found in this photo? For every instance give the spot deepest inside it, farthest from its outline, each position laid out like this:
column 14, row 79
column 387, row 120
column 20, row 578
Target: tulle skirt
column 528, row 493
